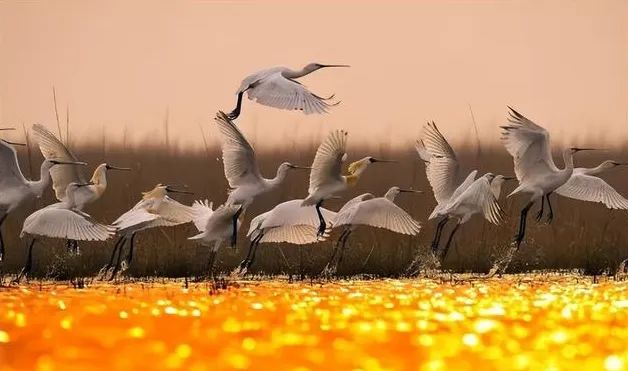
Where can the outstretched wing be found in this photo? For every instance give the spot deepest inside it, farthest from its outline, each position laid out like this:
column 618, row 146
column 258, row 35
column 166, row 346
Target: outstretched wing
column 10, row 173
column 67, row 224
column 441, row 165
column 52, row 148
column 291, row 213
column 529, row 145
column 381, row 213
column 480, row 196
column 136, row 219
column 202, row 211
column 591, row 188
column 294, row 234
column 277, row 91
column 327, row 165
column 238, row 156
column 171, row 212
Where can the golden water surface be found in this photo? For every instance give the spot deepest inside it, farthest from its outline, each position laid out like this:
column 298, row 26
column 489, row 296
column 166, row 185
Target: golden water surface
column 514, row 322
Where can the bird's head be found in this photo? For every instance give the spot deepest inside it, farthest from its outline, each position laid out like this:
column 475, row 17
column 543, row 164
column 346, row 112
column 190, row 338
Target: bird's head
column 317, row 66
column 496, row 183
column 609, row 164
column 574, row 150
column 394, row 191
column 288, row 165
column 111, row 167
column 357, row 167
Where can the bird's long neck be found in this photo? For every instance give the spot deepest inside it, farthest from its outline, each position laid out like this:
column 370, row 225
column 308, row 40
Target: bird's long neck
column 99, row 178
column 282, row 172
column 390, row 195
column 595, row 170
column 39, row 186
column 568, row 160
column 295, row 74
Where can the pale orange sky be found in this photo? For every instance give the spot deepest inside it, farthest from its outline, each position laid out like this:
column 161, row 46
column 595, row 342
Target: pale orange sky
column 124, row 63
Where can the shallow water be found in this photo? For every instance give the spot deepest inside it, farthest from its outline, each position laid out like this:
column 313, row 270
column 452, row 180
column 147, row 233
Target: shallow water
column 513, row 322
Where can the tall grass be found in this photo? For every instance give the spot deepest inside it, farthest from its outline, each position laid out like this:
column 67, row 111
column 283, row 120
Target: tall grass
column 583, row 235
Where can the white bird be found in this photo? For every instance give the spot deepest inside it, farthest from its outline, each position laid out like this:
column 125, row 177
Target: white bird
column 155, row 209
column 379, row 212
column 479, row 197
column 277, row 87
column 455, row 198
column 214, row 225
column 326, row 179
column 529, row 145
column 287, row 222
column 15, row 189
column 242, row 171
column 62, row 220
column 51, row 147
column 586, row 186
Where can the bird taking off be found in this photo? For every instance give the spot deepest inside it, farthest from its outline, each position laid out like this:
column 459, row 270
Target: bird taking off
column 456, row 197
column 529, row 145
column 378, row 212
column 241, row 169
column 326, row 179
column 584, row 185
column 277, row 87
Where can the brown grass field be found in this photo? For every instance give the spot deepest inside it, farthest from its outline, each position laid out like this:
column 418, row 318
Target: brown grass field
column 583, row 235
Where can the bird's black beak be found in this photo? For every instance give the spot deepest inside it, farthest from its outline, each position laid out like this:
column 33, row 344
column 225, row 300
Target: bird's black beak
column 85, row 184
column 57, row 162
column 380, row 160
column 620, row 163
column 299, row 167
column 577, row 149
column 109, row 167
column 7, row 129
column 13, row 143
column 410, row 190
column 174, row 190
column 333, row 65
column 510, row 178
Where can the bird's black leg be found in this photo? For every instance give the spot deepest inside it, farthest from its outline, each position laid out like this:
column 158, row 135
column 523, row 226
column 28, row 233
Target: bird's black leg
column 116, row 267
column 210, row 263
column 29, row 263
column 234, row 236
column 322, row 227
column 522, row 224
column 437, row 234
column 342, row 247
column 550, row 215
column 1, row 238
column 129, row 256
column 75, row 247
column 116, row 248
column 244, row 262
column 443, row 253
column 252, row 259
column 539, row 215
column 236, row 112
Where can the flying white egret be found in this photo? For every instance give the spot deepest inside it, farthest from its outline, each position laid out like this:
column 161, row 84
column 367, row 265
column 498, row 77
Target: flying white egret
column 277, row 87
column 479, row 197
column 15, row 189
column 242, row 171
column 326, row 179
column 215, row 226
column 51, row 147
column 379, row 212
column 529, row 145
column 586, row 186
column 445, row 178
column 155, row 209
column 62, row 220
column 287, row 222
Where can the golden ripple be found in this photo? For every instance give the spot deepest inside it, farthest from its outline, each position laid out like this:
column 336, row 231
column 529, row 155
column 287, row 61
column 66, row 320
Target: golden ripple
column 511, row 323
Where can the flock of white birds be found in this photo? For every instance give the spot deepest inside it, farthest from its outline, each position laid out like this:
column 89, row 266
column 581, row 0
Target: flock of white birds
column 302, row 221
